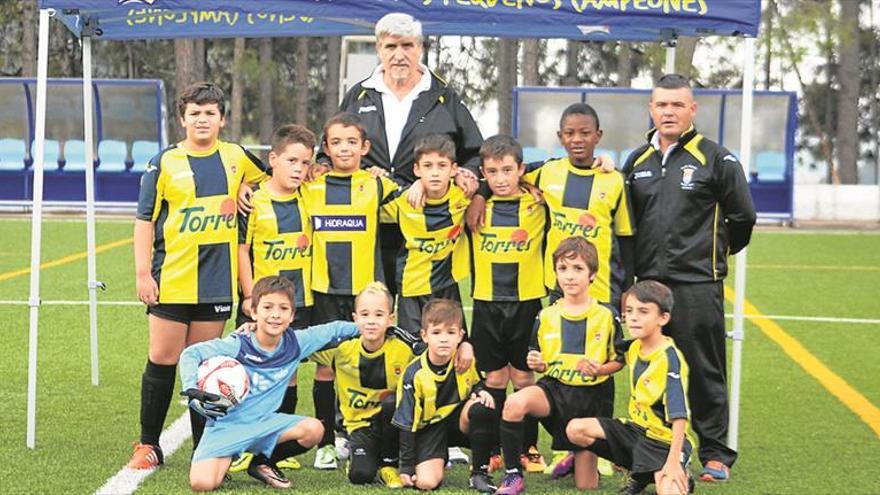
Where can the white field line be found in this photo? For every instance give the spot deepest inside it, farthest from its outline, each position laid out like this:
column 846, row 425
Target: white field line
column 127, row 480
column 821, row 319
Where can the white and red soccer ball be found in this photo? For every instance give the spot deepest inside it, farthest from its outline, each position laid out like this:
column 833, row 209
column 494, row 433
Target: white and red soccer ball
column 224, row 376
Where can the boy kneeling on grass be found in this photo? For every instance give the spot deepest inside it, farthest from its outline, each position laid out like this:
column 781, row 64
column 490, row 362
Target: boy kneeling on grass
column 438, row 407
column 271, row 355
column 653, row 442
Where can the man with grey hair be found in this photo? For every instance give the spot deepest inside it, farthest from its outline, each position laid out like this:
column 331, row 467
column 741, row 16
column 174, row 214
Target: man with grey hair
column 401, row 102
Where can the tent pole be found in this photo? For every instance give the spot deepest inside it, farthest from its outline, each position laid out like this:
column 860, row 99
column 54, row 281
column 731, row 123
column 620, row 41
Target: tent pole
column 88, row 134
column 740, row 283
column 37, row 226
column 670, row 59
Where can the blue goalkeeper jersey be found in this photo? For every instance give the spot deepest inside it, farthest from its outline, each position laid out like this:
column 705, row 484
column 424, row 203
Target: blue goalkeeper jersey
column 268, row 372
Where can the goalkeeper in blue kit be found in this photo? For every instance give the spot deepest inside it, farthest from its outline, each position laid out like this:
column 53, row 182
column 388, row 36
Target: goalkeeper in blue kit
column 271, row 355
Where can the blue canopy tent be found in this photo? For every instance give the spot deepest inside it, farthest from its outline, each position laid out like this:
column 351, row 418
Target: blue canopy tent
column 600, row 20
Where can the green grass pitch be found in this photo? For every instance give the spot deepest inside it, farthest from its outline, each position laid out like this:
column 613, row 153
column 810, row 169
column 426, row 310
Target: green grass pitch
column 795, row 437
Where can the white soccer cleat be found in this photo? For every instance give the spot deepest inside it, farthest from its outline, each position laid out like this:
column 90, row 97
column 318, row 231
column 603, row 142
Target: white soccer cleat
column 457, row 456
column 325, row 458
column 342, row 448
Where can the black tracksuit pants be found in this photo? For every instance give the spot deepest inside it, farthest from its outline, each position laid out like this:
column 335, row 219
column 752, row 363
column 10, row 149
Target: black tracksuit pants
column 697, row 326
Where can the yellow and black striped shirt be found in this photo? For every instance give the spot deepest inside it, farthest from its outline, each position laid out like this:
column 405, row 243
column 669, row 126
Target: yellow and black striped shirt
column 364, row 378
column 425, row 397
column 435, row 253
column 591, row 204
column 565, row 341
column 280, row 239
column 344, row 212
column 658, row 389
column 507, row 252
column 191, row 199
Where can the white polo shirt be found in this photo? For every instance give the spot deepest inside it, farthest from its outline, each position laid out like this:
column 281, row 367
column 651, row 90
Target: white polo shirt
column 396, row 111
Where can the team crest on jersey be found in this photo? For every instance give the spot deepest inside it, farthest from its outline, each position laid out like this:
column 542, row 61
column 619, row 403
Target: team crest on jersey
column 687, row 177
column 397, row 370
column 233, row 168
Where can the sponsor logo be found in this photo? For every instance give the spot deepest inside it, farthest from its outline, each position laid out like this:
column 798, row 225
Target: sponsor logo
column 222, row 308
column 126, row 2
column 519, row 242
column 339, row 223
column 555, row 370
column 433, row 245
column 360, row 400
column 643, row 174
column 687, row 177
column 584, row 227
column 729, row 158
column 196, row 219
column 150, row 168
column 279, row 250
column 673, row 375
column 251, row 357
column 369, row 108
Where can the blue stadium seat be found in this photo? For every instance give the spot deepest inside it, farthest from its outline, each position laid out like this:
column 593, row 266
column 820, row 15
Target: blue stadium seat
column 51, row 153
column 142, row 152
column 112, row 154
column 12, row 154
column 74, row 155
column 770, row 166
column 532, row 154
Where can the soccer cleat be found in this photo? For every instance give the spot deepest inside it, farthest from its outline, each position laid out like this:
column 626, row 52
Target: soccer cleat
column 270, row 475
column 482, row 483
column 715, row 471
column 533, row 461
column 512, row 484
column 325, row 457
column 496, row 463
column 563, row 468
column 342, row 448
column 633, row 486
column 605, row 467
column 146, row 456
column 242, row 463
column 457, row 456
column 558, row 456
column 289, row 463
column 390, row 477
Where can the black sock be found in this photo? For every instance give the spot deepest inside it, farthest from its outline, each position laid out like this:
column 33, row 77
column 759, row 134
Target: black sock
column 197, row 423
column 157, row 386
column 499, row 395
column 511, row 443
column 530, row 435
column 288, row 404
column 325, row 401
column 483, row 432
column 390, row 450
column 290, row 448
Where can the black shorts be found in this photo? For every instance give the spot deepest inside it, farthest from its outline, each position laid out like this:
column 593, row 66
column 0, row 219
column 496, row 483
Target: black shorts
column 626, row 444
column 188, row 313
column 409, row 309
column 302, row 318
column 501, row 333
column 568, row 402
column 332, row 307
column 433, row 441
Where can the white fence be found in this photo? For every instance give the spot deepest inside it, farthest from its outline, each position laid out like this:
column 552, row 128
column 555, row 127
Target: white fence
column 825, row 202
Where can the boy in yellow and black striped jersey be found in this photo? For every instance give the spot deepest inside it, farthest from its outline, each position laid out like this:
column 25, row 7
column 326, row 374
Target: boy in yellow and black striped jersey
column 506, row 254
column 653, row 442
column 440, row 406
column 434, row 257
column 573, row 345
column 343, row 207
column 367, row 371
column 185, row 247
column 275, row 238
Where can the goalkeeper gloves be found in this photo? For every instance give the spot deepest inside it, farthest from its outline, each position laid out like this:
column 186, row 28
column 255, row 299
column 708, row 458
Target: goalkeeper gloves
column 209, row 405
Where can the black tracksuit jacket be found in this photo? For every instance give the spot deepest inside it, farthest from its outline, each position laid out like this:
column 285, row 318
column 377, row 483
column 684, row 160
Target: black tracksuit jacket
column 690, row 213
column 436, row 111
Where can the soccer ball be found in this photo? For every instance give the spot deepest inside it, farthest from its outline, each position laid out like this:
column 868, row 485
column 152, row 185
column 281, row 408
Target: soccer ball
column 224, row 376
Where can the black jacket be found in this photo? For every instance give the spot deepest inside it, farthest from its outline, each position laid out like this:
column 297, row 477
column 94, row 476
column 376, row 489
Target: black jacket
column 438, row 110
column 690, row 213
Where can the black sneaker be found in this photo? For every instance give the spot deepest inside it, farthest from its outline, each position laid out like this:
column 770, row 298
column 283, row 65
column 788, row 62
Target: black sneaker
column 482, row 483
column 270, row 475
column 633, row 487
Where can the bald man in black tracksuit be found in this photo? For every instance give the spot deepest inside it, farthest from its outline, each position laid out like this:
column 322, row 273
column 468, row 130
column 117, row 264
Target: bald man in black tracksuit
column 692, row 209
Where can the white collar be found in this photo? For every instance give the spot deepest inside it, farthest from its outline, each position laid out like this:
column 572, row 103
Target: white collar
column 376, row 81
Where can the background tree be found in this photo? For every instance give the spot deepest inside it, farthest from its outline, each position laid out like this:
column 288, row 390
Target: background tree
column 848, row 96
